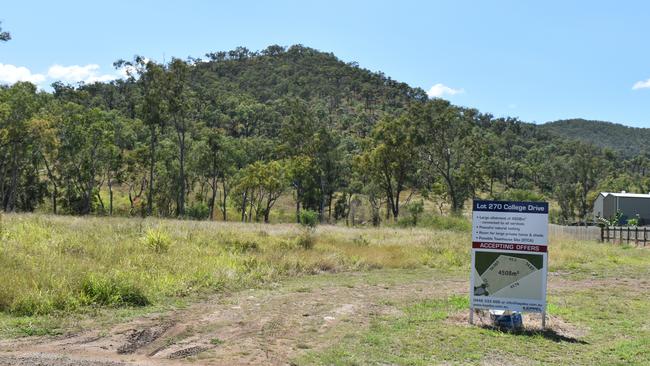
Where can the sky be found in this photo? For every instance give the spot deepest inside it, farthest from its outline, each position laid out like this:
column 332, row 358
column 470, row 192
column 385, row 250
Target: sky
column 535, row 60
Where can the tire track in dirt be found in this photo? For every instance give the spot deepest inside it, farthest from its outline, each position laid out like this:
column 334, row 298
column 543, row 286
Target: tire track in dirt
column 265, row 326
column 248, row 327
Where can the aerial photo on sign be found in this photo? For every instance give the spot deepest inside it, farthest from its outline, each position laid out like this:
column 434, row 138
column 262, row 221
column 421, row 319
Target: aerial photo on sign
column 509, row 255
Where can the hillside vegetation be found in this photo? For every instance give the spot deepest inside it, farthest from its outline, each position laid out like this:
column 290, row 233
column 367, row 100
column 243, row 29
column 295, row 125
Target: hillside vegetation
column 228, row 136
column 628, row 141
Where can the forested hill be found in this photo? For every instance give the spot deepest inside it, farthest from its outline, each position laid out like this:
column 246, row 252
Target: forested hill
column 629, row 141
column 246, row 90
column 226, row 136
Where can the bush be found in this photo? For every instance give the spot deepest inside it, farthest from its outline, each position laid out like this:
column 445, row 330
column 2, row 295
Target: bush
column 157, row 240
column 198, row 211
column 415, row 209
column 633, row 221
column 102, row 290
column 305, row 240
column 308, row 218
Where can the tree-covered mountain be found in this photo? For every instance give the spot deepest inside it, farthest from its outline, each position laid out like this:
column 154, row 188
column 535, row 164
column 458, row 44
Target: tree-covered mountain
column 227, row 136
column 629, row 141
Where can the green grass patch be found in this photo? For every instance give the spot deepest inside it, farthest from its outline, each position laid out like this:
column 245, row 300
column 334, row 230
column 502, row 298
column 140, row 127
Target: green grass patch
column 609, row 323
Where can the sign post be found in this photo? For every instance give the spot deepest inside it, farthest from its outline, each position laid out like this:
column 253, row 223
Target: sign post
column 509, row 257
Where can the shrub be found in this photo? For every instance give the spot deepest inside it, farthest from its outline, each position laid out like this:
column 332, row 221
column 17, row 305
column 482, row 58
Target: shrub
column 198, row 211
column 308, row 218
column 157, row 240
column 305, row 240
column 415, row 209
column 103, row 290
column 633, row 221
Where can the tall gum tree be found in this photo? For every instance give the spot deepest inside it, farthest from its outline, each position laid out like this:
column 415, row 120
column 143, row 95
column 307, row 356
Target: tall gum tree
column 450, row 147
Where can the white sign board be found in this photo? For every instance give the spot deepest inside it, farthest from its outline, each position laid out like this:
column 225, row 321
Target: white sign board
column 509, row 255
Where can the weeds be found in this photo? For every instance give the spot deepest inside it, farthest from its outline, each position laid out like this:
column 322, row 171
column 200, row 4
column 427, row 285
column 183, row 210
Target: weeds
column 157, row 240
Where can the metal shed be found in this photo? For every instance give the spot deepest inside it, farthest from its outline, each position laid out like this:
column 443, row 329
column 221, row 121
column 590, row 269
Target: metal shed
column 631, row 204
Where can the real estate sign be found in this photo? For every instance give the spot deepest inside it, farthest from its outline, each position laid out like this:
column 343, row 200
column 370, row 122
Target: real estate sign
column 509, row 255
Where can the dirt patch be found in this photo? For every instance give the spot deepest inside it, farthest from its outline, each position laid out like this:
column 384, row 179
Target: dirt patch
column 140, row 338
column 43, row 360
column 556, row 329
column 266, row 326
column 187, row 352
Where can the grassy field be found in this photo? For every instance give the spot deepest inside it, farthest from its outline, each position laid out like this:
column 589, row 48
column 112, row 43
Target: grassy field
column 65, row 265
column 57, row 270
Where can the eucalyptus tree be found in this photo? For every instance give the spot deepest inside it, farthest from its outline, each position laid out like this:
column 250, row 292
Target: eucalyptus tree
column 451, row 147
column 152, row 109
column 390, row 158
column 265, row 183
column 180, row 104
column 18, row 104
column 85, row 144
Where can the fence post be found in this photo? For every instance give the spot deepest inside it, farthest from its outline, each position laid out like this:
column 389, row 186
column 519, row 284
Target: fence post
column 628, row 235
column 602, row 234
column 620, row 236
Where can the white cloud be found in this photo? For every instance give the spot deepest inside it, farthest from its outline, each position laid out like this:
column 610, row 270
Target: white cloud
column 10, row 74
column 439, row 90
column 75, row 73
column 643, row 84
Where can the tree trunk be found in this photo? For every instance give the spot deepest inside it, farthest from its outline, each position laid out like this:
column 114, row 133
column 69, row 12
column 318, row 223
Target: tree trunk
column 329, row 210
column 243, row 206
column 321, row 208
column 11, row 201
column 152, row 150
column 396, row 204
column 213, row 185
column 267, row 213
column 54, row 194
column 224, row 205
column 181, row 196
column 250, row 209
column 110, row 197
column 298, row 198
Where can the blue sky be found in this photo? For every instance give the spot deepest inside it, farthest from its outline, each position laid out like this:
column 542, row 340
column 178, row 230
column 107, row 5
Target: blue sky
column 538, row 61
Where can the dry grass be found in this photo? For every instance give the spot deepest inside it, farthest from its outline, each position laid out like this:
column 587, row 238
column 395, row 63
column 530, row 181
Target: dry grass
column 64, row 264
column 58, row 264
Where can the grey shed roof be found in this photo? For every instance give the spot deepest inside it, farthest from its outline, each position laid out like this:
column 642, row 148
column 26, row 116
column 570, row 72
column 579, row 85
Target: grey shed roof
column 625, row 194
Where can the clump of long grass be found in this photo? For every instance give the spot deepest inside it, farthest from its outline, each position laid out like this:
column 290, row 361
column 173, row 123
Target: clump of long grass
column 157, row 240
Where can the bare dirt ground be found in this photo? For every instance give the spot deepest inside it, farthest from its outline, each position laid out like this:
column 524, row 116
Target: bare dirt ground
column 268, row 326
column 251, row 327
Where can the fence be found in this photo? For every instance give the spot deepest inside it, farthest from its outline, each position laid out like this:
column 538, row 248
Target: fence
column 575, row 232
column 625, row 234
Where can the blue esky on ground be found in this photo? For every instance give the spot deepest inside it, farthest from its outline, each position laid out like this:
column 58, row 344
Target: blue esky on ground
column 536, row 60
